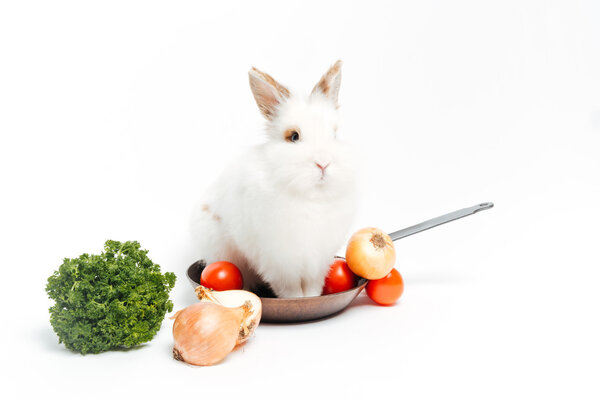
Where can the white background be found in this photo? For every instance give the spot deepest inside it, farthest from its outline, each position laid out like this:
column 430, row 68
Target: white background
column 115, row 115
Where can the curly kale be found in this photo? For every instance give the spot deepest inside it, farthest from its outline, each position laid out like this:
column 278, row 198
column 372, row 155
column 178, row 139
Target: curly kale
column 116, row 299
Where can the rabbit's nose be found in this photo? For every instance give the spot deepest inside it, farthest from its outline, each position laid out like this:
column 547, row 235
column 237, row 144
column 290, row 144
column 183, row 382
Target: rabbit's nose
column 322, row 167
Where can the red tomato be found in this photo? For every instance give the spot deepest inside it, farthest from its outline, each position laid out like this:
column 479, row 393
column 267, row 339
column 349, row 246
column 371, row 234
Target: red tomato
column 222, row 275
column 340, row 278
column 387, row 290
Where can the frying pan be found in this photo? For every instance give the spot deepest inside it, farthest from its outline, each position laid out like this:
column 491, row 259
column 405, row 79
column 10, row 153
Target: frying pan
column 311, row 308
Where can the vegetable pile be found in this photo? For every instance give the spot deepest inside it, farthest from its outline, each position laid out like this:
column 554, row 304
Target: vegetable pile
column 371, row 255
column 116, row 299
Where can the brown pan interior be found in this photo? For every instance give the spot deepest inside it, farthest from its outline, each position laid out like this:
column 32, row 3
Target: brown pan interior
column 295, row 309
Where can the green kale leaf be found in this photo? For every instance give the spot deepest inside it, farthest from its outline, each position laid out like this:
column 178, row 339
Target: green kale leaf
column 113, row 300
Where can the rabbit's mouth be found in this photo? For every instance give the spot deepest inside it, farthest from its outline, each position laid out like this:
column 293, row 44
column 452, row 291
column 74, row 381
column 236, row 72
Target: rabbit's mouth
column 312, row 182
column 323, row 178
column 325, row 183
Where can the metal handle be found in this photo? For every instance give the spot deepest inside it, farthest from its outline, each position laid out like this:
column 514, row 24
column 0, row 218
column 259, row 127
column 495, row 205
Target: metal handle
column 423, row 226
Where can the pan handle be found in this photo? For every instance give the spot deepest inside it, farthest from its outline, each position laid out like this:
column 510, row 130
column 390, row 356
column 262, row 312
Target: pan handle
column 423, row 226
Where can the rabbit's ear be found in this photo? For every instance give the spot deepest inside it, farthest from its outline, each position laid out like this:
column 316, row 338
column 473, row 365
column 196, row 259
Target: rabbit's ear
column 267, row 92
column 329, row 85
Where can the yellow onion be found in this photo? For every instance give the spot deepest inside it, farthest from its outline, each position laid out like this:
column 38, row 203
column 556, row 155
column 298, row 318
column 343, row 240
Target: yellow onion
column 370, row 253
column 205, row 333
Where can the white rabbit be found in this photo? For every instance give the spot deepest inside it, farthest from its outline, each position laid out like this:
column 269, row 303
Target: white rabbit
column 284, row 208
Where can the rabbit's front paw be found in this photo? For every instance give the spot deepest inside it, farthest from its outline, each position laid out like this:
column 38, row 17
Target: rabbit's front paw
column 286, row 290
column 312, row 289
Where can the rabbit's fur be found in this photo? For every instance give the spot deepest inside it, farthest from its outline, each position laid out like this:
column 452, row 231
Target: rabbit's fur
column 284, row 208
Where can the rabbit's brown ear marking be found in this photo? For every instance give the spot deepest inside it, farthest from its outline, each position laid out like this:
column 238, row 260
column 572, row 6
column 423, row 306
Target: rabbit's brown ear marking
column 329, row 85
column 267, row 92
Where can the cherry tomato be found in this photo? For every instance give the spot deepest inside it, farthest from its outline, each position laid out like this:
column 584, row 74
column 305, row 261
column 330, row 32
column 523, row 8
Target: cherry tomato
column 222, row 275
column 387, row 290
column 340, row 278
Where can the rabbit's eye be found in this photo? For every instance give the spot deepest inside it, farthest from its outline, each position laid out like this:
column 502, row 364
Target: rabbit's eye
column 292, row 135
